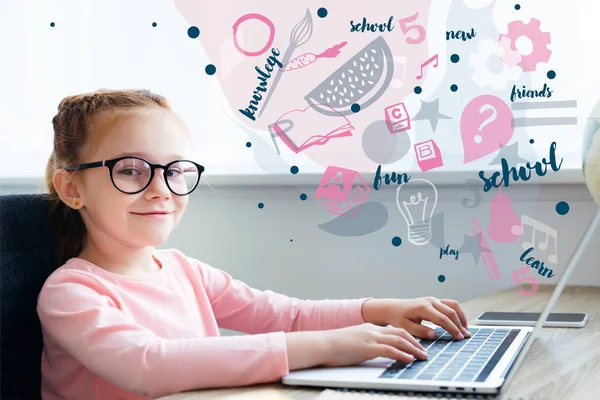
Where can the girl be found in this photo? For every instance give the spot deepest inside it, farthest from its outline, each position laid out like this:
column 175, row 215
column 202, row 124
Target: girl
column 123, row 320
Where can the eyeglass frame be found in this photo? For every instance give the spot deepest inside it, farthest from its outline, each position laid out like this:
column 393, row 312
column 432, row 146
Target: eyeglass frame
column 110, row 164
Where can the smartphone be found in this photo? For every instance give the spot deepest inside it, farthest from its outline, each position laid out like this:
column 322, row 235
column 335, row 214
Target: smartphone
column 554, row 320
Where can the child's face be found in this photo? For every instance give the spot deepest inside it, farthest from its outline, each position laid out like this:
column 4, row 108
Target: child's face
column 112, row 216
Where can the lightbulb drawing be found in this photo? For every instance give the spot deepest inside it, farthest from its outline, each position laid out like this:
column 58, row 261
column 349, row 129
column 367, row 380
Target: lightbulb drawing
column 416, row 203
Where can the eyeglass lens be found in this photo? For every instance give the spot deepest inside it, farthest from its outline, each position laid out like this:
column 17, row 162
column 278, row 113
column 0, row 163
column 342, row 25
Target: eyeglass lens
column 132, row 175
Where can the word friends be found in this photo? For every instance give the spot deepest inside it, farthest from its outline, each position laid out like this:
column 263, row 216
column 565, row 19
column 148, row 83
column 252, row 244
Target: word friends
column 448, row 252
column 399, row 178
column 534, row 263
column 262, row 86
column 523, row 173
column 520, row 93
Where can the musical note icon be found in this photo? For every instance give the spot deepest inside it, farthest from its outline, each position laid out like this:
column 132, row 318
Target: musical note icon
column 432, row 59
column 550, row 233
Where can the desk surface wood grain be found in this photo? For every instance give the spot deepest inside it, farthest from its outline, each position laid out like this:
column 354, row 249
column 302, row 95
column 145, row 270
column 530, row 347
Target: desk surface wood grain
column 563, row 363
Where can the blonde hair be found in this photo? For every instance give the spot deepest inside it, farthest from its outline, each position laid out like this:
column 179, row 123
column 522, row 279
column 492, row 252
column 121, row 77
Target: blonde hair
column 77, row 118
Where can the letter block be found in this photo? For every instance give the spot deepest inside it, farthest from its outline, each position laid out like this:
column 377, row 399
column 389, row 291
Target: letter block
column 342, row 190
column 428, row 155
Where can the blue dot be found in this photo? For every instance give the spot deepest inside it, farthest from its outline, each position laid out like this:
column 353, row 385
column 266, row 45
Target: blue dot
column 517, row 7
column 291, row 240
column 261, row 205
column 154, row 24
column 531, row 141
column 454, row 58
column 193, row 32
column 248, row 144
column 418, row 89
column 355, row 108
column 294, row 170
column 322, row 12
column 551, row 74
column 210, row 69
column 441, row 278
column 52, row 24
column 396, row 241
column 562, row 207
column 454, row 88
column 303, row 196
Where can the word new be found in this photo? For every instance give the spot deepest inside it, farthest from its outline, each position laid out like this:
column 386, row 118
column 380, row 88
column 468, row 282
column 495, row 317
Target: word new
column 461, row 35
column 524, row 173
column 520, row 93
column 395, row 178
column 262, row 86
column 365, row 26
column 448, row 252
column 533, row 263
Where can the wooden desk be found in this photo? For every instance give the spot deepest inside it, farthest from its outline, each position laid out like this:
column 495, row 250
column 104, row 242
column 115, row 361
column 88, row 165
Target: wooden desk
column 563, row 363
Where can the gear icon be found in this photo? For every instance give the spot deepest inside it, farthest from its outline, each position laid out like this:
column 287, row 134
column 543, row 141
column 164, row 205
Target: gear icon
column 539, row 39
column 483, row 76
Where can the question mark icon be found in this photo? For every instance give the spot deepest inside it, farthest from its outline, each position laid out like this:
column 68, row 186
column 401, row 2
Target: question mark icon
column 487, row 121
column 481, row 138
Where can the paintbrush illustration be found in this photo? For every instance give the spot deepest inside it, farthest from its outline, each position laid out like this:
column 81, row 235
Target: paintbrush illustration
column 300, row 34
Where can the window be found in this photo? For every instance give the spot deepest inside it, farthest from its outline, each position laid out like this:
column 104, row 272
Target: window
column 114, row 45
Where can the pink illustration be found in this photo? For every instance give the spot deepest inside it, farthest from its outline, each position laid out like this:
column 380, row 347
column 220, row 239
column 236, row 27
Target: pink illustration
column 429, row 155
column 485, row 125
column 505, row 225
column 259, row 17
column 540, row 41
column 519, row 279
column 433, row 59
column 301, row 129
column 308, row 58
column 488, row 257
column 298, row 31
column 397, row 118
column 342, row 190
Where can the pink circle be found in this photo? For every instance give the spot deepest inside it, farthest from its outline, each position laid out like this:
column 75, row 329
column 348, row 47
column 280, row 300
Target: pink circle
column 516, row 230
column 259, row 17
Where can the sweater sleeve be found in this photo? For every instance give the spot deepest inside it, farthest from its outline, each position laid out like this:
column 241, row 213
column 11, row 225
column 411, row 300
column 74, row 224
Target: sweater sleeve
column 238, row 307
column 78, row 314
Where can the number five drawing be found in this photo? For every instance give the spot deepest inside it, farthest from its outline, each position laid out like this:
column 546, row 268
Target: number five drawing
column 406, row 28
column 530, row 279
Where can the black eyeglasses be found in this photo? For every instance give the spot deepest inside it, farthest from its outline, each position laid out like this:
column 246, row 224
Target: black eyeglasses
column 131, row 175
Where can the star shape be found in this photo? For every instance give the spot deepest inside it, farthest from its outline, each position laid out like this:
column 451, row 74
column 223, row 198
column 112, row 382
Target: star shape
column 430, row 111
column 471, row 246
column 437, row 231
column 510, row 154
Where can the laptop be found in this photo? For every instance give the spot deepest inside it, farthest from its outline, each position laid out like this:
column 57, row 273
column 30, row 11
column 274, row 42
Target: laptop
column 483, row 363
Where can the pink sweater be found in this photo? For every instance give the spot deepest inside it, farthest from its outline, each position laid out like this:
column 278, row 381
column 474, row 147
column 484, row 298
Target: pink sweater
column 108, row 336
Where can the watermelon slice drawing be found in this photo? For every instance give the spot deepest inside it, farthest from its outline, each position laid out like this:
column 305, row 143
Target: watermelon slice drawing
column 358, row 81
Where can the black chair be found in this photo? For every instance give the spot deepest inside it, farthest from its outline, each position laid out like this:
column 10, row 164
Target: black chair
column 27, row 258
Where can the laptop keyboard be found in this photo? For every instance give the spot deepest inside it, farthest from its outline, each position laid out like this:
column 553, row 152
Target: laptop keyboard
column 468, row 360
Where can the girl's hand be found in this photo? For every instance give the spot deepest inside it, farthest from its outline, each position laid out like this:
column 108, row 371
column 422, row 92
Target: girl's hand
column 409, row 314
column 355, row 344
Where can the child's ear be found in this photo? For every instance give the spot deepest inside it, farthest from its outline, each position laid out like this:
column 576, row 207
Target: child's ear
column 67, row 188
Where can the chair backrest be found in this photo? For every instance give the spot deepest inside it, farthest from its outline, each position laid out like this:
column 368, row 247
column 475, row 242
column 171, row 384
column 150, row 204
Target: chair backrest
column 27, row 258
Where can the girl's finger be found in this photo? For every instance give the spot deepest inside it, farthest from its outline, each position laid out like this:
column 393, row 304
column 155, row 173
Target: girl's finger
column 403, row 345
column 456, row 307
column 390, row 330
column 384, row 350
column 420, row 330
column 440, row 319
column 450, row 313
